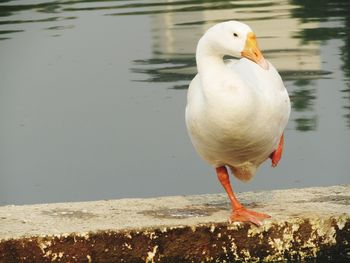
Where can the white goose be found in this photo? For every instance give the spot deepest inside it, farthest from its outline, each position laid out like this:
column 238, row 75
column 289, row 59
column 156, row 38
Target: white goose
column 236, row 111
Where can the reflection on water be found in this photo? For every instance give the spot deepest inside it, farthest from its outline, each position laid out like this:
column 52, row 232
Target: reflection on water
column 335, row 22
column 85, row 82
column 299, row 64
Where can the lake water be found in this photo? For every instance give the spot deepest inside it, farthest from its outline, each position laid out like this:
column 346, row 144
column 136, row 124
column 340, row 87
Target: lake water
column 93, row 94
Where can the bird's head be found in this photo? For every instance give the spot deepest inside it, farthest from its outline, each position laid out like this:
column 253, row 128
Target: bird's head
column 235, row 39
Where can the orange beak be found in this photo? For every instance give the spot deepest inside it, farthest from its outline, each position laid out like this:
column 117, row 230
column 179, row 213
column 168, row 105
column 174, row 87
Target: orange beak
column 251, row 51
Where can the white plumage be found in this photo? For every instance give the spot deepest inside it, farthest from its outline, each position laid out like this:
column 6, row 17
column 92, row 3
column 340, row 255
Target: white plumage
column 236, row 112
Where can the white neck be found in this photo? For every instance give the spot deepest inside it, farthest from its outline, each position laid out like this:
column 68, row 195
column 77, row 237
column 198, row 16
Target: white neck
column 210, row 65
column 206, row 55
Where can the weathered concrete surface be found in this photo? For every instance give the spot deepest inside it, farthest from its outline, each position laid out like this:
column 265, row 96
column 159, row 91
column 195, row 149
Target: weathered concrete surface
column 306, row 223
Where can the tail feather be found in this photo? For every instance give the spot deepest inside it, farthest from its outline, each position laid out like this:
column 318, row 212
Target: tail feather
column 244, row 172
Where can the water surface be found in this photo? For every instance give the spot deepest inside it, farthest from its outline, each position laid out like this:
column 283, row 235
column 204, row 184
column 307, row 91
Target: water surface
column 93, row 93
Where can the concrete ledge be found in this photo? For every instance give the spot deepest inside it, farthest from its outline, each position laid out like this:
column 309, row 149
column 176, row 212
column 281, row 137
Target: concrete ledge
column 306, row 224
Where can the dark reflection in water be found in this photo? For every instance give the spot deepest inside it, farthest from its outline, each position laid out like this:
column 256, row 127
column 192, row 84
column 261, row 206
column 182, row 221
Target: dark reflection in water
column 6, row 32
column 171, row 70
column 51, row 19
column 337, row 12
column 92, row 95
column 189, row 6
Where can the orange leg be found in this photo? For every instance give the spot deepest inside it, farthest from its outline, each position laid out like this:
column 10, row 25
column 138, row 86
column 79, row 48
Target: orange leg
column 277, row 154
column 239, row 212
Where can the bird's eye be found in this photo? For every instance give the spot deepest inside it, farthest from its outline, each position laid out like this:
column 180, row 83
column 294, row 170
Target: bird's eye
column 235, row 34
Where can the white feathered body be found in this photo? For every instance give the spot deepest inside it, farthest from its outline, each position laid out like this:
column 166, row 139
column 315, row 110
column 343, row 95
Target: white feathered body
column 236, row 113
